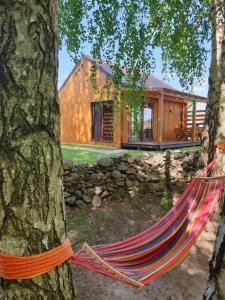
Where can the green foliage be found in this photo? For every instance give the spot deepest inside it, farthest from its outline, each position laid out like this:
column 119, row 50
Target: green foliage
column 128, row 32
column 165, row 201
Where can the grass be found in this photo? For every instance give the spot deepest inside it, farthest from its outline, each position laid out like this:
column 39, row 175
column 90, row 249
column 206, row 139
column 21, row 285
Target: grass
column 80, row 155
column 87, row 224
column 77, row 146
column 124, row 210
column 189, row 149
column 78, row 152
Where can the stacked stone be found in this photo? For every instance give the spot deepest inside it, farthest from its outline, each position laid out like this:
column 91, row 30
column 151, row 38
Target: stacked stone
column 113, row 178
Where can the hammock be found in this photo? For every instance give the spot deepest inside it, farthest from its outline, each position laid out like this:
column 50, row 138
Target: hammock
column 144, row 257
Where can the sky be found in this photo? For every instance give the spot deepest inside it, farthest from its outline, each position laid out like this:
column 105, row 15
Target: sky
column 66, row 65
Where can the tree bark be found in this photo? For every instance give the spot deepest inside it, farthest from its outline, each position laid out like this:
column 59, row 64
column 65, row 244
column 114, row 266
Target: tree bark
column 216, row 285
column 32, row 215
column 212, row 110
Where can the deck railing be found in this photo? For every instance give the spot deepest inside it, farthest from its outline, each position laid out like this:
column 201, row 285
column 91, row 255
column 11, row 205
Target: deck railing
column 192, row 127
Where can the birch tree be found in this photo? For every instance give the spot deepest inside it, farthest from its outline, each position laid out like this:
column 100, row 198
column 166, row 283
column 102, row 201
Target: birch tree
column 32, row 215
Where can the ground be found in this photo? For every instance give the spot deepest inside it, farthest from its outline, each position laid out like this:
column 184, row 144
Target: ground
column 90, row 153
column 118, row 220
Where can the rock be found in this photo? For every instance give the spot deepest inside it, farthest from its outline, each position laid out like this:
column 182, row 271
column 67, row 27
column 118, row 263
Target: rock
column 93, row 177
column 66, row 173
column 96, row 201
column 131, row 177
column 179, row 155
column 146, row 188
column 90, row 191
column 71, row 200
column 112, row 178
column 116, row 174
column 159, row 187
column 136, row 183
column 86, row 198
column 122, row 192
column 81, row 164
column 122, row 167
column 131, row 193
column 131, row 171
column 66, row 195
column 149, row 161
column 78, row 194
column 129, row 183
column 140, row 176
column 120, row 182
column 154, row 179
column 104, row 194
column 74, row 177
column 104, row 161
column 131, row 159
column 67, row 165
column 98, row 190
column 75, row 169
column 100, row 175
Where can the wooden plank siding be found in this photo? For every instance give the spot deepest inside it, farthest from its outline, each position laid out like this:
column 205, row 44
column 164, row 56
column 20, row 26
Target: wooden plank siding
column 173, row 119
column 76, row 96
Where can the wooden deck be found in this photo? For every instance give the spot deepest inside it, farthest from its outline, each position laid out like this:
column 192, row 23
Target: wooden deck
column 157, row 146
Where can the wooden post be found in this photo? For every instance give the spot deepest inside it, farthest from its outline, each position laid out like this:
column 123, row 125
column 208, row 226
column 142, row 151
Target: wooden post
column 160, row 119
column 194, row 122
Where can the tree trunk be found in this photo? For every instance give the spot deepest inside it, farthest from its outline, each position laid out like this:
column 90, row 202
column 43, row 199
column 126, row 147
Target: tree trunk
column 212, row 111
column 32, row 216
column 216, row 284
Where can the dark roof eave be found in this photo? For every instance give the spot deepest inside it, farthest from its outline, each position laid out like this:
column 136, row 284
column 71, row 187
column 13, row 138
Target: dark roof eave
column 171, row 92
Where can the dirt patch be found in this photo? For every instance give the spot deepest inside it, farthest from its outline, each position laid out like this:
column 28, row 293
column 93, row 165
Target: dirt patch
column 118, row 220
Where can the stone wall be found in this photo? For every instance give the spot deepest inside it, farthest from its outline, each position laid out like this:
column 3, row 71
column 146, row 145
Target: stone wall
column 112, row 178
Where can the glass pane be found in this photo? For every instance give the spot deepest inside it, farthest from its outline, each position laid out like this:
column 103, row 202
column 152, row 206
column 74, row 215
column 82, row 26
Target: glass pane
column 147, row 124
column 97, row 121
column 136, row 126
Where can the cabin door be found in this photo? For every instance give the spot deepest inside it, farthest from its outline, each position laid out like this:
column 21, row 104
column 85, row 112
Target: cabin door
column 142, row 125
column 147, row 122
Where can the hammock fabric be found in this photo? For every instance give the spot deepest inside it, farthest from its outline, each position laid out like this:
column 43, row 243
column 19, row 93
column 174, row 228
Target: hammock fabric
column 144, row 257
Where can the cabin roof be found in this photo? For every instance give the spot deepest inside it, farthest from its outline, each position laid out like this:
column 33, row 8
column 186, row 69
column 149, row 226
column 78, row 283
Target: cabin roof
column 152, row 82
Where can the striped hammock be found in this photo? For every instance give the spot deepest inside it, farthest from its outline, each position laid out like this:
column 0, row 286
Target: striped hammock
column 144, row 257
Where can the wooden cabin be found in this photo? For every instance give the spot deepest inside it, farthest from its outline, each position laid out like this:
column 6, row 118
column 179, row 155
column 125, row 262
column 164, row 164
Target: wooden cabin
column 169, row 118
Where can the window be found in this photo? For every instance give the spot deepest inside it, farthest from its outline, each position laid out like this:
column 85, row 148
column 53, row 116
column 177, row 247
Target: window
column 142, row 125
column 102, row 121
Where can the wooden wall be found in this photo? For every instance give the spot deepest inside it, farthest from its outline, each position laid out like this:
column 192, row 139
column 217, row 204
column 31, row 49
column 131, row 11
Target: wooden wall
column 172, row 118
column 76, row 96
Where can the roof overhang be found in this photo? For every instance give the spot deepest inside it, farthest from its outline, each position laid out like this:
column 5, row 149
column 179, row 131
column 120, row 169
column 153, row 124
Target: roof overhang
column 180, row 95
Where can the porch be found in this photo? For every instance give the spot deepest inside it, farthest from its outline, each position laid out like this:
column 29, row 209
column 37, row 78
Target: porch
column 158, row 146
column 168, row 119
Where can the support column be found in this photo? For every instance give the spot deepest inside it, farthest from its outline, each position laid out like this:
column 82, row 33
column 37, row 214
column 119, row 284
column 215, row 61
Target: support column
column 160, row 119
column 194, row 122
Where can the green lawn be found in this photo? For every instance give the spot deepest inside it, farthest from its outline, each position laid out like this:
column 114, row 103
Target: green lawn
column 90, row 146
column 79, row 152
column 81, row 155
